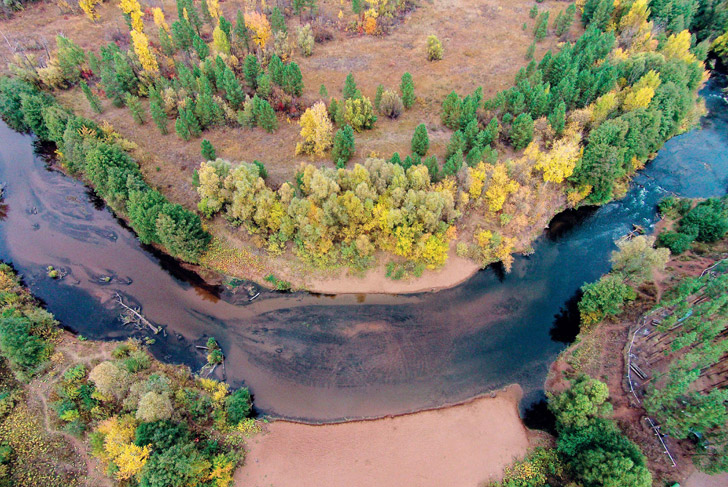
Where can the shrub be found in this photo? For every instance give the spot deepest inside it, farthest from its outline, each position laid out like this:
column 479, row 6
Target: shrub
column 161, row 434
column 238, row 405
column 391, row 104
column 110, row 380
column 359, row 113
column 583, row 401
column 675, row 241
column 434, row 48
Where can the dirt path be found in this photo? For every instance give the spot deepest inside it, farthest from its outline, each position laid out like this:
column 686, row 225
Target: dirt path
column 457, row 446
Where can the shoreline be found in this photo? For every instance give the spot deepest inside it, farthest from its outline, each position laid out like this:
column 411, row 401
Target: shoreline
column 472, row 442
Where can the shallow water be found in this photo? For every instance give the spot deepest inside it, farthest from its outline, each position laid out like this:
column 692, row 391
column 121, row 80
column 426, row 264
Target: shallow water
column 325, row 358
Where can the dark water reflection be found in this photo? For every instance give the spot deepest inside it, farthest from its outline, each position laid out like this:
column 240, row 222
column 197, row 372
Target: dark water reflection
column 328, row 358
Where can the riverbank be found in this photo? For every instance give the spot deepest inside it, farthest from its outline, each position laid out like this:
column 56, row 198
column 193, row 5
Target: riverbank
column 461, row 446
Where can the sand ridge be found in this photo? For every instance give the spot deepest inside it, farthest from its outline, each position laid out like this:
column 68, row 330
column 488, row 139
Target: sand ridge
column 458, row 446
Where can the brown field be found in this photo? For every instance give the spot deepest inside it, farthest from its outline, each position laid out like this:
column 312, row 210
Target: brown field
column 458, row 446
column 484, row 45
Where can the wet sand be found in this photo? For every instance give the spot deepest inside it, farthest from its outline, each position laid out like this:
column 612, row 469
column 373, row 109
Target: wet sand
column 457, row 446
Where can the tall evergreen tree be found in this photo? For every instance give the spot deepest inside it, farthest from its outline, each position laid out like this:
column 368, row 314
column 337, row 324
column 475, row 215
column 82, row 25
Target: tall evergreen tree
column 207, row 150
column 344, row 146
column 242, row 34
column 293, row 80
column 276, row 70
column 251, row 70
column 135, row 107
column 420, row 141
column 200, row 47
column 93, row 100
column 557, row 119
column 521, row 131
column 265, row 116
column 350, row 89
column 277, row 21
column 233, row 91
column 159, row 116
column 378, row 96
column 451, row 110
column 407, row 88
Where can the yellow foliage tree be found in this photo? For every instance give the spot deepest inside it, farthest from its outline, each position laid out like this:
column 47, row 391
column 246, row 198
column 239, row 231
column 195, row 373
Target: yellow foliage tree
column 499, row 187
column 131, row 460
column 141, row 48
column 213, row 6
column 678, row 46
column 604, row 105
column 89, row 8
column 118, row 432
column 476, row 177
column 220, row 41
column 133, row 10
column 558, row 163
column 316, row 131
column 159, row 19
column 258, row 23
column 641, row 93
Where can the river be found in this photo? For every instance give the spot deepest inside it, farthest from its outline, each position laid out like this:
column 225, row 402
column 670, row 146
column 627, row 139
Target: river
column 330, row 358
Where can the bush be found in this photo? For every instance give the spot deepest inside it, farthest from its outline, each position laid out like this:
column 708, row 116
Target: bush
column 434, row 48
column 239, row 405
column 306, row 40
column 110, row 380
column 391, row 104
column 161, row 434
column 154, row 406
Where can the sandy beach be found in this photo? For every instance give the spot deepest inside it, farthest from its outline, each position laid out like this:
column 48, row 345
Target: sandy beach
column 458, row 446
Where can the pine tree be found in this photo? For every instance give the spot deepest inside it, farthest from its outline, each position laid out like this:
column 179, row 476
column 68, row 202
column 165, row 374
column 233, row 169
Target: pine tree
column 206, row 13
column 166, row 42
column 93, row 100
column 277, row 21
column 251, row 70
column 159, row 116
column 451, row 110
column 188, row 114
column 533, row 12
column 135, row 107
column 521, row 131
column 181, row 128
column 531, row 51
column 182, row 34
column 378, row 96
column 200, row 47
column 407, row 87
column 207, row 150
column 350, row 89
column 226, row 27
column 557, row 119
column 356, row 6
column 542, row 26
column 242, row 35
column 432, row 167
column 233, row 91
column 207, row 111
column 420, row 140
column 276, row 69
column 264, row 86
column 265, row 116
column 344, row 146
column 323, row 92
column 293, row 79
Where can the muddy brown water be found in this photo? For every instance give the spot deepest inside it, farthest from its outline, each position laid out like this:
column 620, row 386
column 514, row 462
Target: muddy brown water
column 330, row 358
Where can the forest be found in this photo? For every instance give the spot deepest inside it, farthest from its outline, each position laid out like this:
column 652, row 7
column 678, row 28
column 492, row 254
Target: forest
column 573, row 128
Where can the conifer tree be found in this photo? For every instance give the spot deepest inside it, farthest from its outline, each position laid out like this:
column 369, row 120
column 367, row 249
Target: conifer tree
column 432, row 167
column 207, row 150
column 276, row 70
column 233, row 91
column 350, row 89
column 293, row 79
column 542, row 26
column 521, row 131
column 407, row 87
column 378, row 96
column 242, row 35
column 356, row 6
column 530, row 51
column 251, row 70
column 420, row 141
column 323, row 92
column 166, row 42
column 188, row 114
column 557, row 119
column 200, row 47
column 93, row 100
column 264, row 86
column 451, row 110
column 226, row 27
column 159, row 116
column 277, row 21
column 181, row 128
column 265, row 116
column 207, row 111
column 182, row 34
column 135, row 107
column 533, row 12
column 344, row 146
column 206, row 16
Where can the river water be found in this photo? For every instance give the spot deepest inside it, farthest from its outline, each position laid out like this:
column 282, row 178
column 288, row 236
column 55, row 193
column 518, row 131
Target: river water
column 329, row 358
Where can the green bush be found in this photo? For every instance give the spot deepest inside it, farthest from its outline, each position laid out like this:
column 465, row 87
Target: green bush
column 238, row 405
column 675, row 241
column 604, row 298
column 708, row 221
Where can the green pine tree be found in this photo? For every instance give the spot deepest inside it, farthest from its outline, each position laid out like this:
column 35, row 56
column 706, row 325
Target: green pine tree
column 277, row 21
column 521, row 131
column 135, row 107
column 251, row 70
column 407, row 87
column 200, row 47
column 293, row 80
column 207, row 150
column 166, row 42
column 557, row 119
column 378, row 96
column 451, row 111
column 323, row 92
column 181, row 128
column 531, row 51
column 93, row 100
column 233, row 91
column 276, row 70
column 344, row 146
column 159, row 116
column 264, row 86
column 242, row 34
column 190, row 119
column 350, row 89
column 265, row 116
column 420, row 141
column 432, row 167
